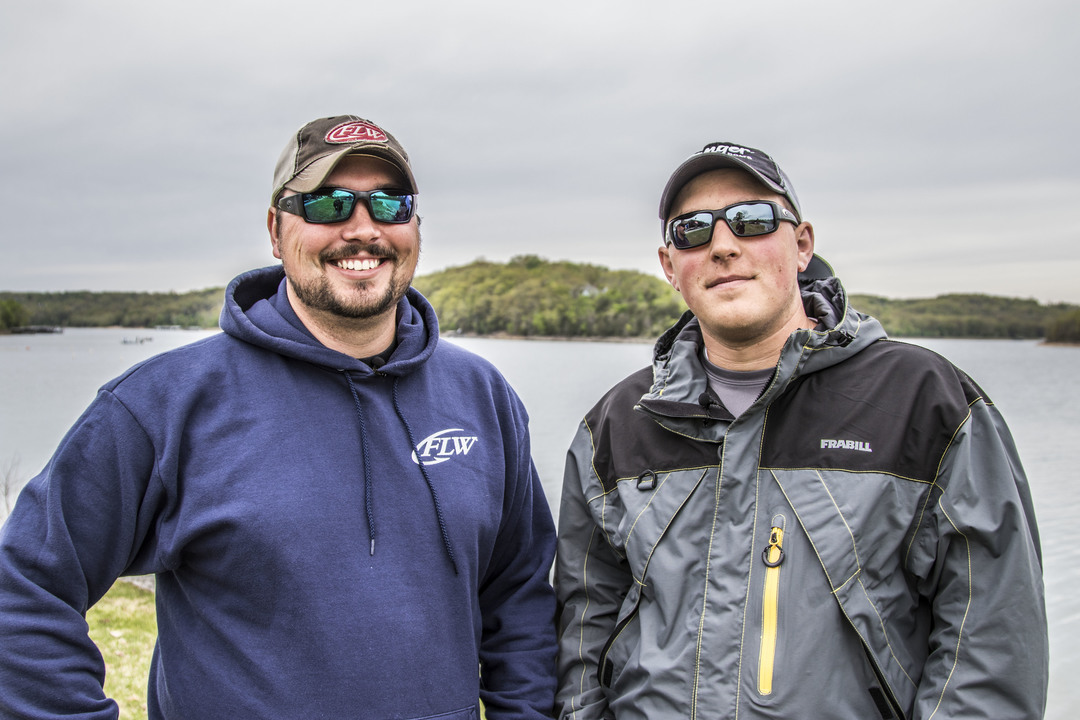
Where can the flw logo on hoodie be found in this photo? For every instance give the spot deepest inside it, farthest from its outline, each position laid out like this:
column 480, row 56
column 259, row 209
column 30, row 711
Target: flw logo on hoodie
column 442, row 446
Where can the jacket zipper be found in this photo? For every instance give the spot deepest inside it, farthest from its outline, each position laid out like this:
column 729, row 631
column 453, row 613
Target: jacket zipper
column 605, row 668
column 773, row 557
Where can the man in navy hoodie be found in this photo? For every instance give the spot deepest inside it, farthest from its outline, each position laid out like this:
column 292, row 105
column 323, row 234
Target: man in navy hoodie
column 341, row 512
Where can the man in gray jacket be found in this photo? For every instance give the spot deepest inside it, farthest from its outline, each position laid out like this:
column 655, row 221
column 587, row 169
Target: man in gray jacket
column 789, row 515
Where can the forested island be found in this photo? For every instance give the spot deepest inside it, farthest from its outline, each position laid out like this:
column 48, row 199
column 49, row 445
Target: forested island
column 533, row 297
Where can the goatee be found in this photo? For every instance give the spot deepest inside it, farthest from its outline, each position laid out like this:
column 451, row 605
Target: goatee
column 317, row 294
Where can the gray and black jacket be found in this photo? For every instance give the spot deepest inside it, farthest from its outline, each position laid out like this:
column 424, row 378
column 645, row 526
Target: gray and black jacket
column 859, row 543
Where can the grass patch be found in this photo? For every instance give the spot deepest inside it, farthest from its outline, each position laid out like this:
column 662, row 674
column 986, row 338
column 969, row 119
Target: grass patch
column 124, row 627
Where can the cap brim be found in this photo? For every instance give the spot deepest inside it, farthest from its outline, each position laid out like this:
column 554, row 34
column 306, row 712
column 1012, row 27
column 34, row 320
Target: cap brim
column 314, row 175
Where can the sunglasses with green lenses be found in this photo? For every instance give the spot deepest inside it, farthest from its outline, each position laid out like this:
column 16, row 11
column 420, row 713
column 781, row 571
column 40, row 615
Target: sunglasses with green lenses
column 746, row 219
column 333, row 205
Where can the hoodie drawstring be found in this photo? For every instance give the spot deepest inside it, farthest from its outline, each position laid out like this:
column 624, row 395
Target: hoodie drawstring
column 427, row 479
column 423, row 470
column 367, row 461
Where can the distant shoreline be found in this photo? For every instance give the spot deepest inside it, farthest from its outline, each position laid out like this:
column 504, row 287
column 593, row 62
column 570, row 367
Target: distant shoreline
column 651, row 340
column 548, row 338
column 570, row 338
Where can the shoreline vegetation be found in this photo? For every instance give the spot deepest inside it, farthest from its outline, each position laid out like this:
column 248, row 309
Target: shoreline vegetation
column 531, row 298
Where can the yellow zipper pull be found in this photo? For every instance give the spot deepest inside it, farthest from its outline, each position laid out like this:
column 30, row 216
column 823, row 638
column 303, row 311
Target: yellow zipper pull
column 773, row 554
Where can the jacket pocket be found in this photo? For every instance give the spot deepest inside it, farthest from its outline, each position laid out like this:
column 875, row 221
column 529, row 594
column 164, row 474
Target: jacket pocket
column 652, row 502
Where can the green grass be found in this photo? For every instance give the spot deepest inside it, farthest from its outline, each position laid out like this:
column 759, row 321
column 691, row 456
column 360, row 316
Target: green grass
column 124, row 627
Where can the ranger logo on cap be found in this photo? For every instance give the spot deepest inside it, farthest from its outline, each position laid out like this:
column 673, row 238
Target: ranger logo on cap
column 727, row 149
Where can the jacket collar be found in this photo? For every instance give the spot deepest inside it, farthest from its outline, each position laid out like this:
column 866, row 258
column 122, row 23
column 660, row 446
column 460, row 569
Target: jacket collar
column 680, row 384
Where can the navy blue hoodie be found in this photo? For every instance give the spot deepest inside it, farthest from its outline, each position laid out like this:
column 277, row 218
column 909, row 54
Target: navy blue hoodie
column 329, row 540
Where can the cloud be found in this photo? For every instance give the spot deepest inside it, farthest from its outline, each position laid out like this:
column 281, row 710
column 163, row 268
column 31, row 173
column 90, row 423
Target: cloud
column 142, row 136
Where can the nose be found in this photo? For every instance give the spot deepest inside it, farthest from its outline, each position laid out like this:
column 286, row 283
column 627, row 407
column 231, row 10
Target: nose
column 361, row 227
column 724, row 244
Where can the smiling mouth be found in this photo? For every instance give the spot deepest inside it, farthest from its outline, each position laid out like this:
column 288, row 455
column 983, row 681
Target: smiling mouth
column 358, row 264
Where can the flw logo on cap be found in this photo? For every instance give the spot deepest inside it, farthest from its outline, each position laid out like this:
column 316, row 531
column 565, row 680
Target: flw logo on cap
column 355, row 131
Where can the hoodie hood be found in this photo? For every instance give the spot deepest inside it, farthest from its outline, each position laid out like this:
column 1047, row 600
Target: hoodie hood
column 257, row 310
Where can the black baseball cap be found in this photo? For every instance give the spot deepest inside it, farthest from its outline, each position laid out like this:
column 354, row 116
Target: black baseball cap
column 729, row 155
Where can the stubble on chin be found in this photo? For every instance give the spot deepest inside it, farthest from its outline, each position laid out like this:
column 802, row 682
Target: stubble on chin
column 319, row 296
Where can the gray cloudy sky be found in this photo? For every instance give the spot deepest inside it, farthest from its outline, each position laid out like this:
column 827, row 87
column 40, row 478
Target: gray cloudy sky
column 932, row 143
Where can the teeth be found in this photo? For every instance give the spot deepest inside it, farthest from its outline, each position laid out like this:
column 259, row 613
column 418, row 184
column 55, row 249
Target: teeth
column 367, row 264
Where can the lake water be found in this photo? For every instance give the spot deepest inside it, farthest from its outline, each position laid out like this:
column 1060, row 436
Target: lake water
column 47, row 380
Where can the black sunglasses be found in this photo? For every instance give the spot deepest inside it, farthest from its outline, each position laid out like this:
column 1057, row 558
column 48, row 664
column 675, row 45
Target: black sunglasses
column 746, row 219
column 333, row 205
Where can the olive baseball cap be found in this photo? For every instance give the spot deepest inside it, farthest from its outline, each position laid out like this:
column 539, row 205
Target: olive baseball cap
column 315, row 150
column 724, row 155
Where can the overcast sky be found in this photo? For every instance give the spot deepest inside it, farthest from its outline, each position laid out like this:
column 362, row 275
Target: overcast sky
column 932, row 143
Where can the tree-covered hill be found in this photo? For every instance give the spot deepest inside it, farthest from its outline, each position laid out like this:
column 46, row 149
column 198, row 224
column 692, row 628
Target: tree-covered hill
column 963, row 315
column 531, row 296
column 125, row 309
column 1064, row 328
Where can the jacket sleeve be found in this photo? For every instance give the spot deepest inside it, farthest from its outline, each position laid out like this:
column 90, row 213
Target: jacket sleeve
column 591, row 582
column 72, row 532
column 988, row 649
column 517, row 653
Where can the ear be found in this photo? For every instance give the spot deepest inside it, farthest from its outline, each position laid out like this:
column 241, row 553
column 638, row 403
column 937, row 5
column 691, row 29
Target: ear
column 271, row 227
column 804, row 239
column 664, row 252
